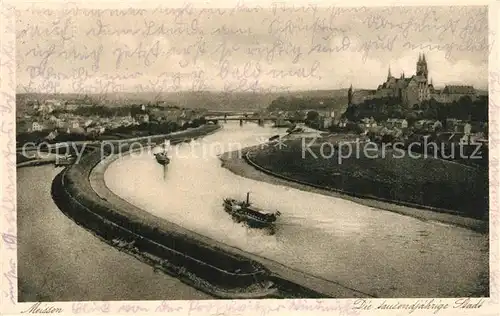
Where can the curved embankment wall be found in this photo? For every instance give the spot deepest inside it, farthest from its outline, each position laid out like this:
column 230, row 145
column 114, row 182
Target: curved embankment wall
column 475, row 224
column 73, row 193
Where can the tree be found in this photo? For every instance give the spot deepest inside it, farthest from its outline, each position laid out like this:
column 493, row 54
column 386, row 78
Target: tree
column 277, row 104
column 387, row 138
column 411, row 117
column 312, row 116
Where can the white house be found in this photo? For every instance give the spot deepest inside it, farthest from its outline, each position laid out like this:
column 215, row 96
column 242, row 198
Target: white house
column 326, row 122
column 75, row 124
column 343, row 123
column 395, row 122
column 36, row 127
column 52, row 135
column 87, row 123
column 60, row 123
column 369, row 122
column 429, row 125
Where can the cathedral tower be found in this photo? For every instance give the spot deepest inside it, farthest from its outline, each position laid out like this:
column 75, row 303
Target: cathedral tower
column 422, row 66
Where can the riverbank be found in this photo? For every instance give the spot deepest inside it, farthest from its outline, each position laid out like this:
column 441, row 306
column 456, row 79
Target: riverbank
column 236, row 163
column 390, row 175
column 98, row 202
column 194, row 263
column 60, row 261
column 318, row 235
column 291, row 283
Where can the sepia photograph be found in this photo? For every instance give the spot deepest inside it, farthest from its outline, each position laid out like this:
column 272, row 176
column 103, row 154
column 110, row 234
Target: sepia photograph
column 252, row 152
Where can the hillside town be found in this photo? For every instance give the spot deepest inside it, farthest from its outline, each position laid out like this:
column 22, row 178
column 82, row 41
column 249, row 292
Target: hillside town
column 398, row 110
column 66, row 120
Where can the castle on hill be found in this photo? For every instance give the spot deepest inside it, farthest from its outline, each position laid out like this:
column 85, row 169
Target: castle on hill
column 413, row 90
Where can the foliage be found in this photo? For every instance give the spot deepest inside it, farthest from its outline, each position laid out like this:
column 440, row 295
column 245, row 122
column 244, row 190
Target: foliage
column 383, row 108
column 295, row 103
column 35, row 137
column 426, row 181
column 312, row 116
column 349, row 128
column 96, row 110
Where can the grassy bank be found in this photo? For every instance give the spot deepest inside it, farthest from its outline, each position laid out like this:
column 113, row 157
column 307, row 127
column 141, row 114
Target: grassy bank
column 422, row 181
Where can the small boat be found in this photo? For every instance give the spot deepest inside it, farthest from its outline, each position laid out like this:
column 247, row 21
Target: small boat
column 275, row 137
column 162, row 158
column 65, row 160
column 243, row 211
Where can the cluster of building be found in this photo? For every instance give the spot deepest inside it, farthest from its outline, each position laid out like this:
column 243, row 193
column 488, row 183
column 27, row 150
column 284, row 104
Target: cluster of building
column 326, row 118
column 72, row 124
column 400, row 128
column 46, row 118
column 417, row 88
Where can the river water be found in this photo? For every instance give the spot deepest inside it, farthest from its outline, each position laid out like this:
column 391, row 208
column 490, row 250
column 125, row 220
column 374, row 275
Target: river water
column 61, row 261
column 378, row 252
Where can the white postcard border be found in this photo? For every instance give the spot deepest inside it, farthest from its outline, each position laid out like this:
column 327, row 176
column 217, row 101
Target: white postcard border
column 8, row 229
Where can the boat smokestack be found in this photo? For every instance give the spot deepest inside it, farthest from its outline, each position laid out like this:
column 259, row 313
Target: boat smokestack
column 248, row 198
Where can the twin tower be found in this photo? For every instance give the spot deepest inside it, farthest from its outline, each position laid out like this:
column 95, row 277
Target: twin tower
column 422, row 66
column 422, row 70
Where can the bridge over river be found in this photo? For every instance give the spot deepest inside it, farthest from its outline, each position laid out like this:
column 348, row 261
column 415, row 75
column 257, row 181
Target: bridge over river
column 260, row 119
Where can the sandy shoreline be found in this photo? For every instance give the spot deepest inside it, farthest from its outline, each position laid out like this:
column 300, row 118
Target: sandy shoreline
column 235, row 162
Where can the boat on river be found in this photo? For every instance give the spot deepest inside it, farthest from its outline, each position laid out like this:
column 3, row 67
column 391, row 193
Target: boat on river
column 162, row 158
column 65, row 160
column 273, row 138
column 243, row 211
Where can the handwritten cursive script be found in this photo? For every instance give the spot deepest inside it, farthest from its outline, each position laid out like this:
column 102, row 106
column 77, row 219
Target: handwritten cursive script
column 42, row 308
column 208, row 50
column 11, row 277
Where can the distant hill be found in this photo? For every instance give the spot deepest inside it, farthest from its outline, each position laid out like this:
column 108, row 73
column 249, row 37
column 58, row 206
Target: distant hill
column 203, row 99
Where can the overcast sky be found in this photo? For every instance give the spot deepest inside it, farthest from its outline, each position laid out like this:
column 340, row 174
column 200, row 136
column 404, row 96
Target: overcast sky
column 78, row 51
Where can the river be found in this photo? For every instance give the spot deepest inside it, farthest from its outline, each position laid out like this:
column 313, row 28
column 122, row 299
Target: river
column 378, row 252
column 61, row 261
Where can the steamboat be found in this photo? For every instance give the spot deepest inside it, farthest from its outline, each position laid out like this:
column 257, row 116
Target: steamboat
column 162, row 158
column 243, row 211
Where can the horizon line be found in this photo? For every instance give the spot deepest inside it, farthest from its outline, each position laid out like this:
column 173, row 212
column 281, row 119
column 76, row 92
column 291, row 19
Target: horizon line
column 232, row 92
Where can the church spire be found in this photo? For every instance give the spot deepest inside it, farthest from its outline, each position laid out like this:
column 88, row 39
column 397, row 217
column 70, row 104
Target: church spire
column 423, row 57
column 389, row 73
column 349, row 95
column 419, row 57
